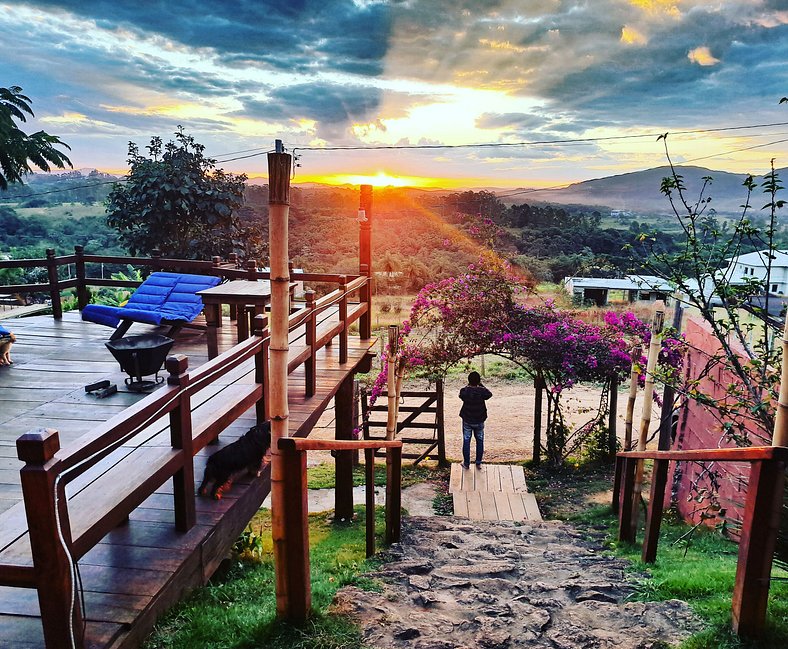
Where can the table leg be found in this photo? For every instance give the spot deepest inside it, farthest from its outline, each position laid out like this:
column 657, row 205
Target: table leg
column 213, row 316
column 242, row 323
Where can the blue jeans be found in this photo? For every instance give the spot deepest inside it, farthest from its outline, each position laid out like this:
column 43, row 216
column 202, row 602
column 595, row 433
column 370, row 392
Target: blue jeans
column 477, row 430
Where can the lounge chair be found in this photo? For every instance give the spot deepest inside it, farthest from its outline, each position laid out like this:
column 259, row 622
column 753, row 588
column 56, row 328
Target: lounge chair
column 164, row 299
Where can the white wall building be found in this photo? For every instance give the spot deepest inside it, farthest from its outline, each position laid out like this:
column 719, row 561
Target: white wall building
column 753, row 266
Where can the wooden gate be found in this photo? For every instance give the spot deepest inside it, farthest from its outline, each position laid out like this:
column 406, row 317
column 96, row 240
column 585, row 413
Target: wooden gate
column 423, row 421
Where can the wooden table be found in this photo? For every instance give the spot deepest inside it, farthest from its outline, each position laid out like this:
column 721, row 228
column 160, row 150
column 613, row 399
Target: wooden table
column 238, row 294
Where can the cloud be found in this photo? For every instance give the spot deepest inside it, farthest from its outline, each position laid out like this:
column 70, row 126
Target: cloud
column 702, row 56
column 298, row 35
column 631, row 36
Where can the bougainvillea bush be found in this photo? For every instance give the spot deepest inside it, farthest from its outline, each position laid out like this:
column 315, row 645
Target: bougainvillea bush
column 484, row 311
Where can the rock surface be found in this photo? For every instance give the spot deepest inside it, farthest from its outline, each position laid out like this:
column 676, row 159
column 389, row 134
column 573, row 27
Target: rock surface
column 450, row 585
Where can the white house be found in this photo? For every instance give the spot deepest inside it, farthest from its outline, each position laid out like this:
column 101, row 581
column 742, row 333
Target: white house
column 753, row 266
column 633, row 288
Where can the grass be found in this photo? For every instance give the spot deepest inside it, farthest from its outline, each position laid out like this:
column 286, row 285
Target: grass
column 322, row 476
column 697, row 566
column 237, row 608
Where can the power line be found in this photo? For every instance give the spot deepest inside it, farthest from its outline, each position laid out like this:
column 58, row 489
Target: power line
column 64, row 189
column 485, row 145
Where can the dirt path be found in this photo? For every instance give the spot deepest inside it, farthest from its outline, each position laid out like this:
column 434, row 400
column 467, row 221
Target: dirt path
column 452, row 585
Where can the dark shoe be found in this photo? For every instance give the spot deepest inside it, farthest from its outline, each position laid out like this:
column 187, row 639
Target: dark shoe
column 466, row 466
column 478, row 465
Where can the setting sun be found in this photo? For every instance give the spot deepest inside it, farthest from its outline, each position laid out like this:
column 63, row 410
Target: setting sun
column 381, row 179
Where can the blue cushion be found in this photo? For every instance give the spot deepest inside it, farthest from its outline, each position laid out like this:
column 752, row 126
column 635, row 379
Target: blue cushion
column 163, row 296
column 4, row 332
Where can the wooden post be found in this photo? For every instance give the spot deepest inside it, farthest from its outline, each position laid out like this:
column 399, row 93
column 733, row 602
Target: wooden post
column 293, row 575
column 155, row 256
column 343, row 319
column 50, row 534
column 626, row 531
column 54, row 285
column 83, row 295
column 659, row 479
column 365, row 257
column 669, row 393
column 343, row 465
column 440, row 424
column 657, row 322
column 393, row 494
column 181, row 437
column 539, row 386
column 261, row 367
column 633, row 393
column 612, row 433
column 617, row 484
column 369, row 471
column 291, row 561
column 391, row 426
column 780, row 435
column 756, row 546
column 311, row 336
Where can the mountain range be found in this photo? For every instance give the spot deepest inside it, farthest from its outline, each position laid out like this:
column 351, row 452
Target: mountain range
column 639, row 192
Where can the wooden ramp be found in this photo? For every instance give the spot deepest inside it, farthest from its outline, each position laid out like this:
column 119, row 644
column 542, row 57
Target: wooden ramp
column 492, row 492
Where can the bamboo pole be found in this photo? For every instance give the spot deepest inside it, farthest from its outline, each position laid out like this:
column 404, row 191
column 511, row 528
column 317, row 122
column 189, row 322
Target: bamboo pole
column 391, row 385
column 633, row 393
column 289, row 567
column 780, row 435
column 657, row 322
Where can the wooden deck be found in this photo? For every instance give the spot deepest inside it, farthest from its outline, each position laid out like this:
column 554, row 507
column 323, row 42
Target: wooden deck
column 492, row 492
column 143, row 566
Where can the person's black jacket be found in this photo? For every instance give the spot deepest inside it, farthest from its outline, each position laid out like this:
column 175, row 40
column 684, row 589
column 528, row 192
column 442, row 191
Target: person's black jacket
column 474, row 410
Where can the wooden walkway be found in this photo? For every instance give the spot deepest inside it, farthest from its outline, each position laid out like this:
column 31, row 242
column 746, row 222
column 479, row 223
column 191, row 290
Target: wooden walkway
column 144, row 566
column 493, row 492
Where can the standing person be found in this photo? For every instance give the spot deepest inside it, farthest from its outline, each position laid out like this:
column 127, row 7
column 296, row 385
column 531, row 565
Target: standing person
column 473, row 414
column 6, row 340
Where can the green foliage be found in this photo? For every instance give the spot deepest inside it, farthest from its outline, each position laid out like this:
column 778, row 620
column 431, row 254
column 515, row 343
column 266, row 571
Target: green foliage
column 176, row 200
column 18, row 150
column 322, row 475
column 238, row 607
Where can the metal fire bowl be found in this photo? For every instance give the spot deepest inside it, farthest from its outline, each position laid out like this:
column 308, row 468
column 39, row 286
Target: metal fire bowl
column 140, row 356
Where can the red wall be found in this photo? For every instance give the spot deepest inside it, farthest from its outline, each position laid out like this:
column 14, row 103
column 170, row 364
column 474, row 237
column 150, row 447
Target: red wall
column 699, row 427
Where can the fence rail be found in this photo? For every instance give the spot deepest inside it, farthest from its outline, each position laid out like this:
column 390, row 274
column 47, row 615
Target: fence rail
column 759, row 528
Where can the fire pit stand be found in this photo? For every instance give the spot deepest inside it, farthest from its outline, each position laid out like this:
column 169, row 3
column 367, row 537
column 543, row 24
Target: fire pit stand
column 140, row 356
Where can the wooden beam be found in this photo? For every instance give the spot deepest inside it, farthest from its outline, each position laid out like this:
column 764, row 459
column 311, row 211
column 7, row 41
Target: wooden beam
column 343, row 465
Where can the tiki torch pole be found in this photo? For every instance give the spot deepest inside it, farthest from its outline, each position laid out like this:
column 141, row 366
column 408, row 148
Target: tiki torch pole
column 289, row 561
column 657, row 322
column 780, row 436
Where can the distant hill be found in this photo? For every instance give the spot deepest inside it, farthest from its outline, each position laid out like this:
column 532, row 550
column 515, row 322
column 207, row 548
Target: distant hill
column 639, row 193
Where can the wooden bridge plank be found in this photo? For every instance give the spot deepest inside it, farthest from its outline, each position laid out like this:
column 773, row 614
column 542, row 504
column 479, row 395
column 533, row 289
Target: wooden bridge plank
column 531, row 508
column 507, row 481
column 517, row 507
column 475, row 511
column 489, row 510
column 455, row 479
column 518, row 479
column 460, row 501
column 503, row 506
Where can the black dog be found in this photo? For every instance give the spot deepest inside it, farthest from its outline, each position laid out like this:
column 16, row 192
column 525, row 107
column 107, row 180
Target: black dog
column 244, row 454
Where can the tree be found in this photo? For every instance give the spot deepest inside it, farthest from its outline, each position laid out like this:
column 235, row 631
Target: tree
column 19, row 150
column 177, row 201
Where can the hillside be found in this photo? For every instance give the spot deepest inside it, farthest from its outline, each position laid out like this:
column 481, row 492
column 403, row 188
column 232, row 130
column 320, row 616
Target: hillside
column 638, row 192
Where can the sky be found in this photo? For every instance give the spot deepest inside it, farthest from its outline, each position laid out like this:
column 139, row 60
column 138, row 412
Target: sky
column 575, row 89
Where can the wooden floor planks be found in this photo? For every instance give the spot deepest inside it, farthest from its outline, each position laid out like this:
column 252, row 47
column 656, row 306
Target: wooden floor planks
column 143, row 566
column 492, row 492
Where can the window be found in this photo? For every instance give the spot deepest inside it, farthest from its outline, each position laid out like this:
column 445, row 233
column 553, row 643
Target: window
column 774, row 288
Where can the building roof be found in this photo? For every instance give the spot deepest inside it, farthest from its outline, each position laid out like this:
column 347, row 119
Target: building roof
column 627, row 283
column 758, row 258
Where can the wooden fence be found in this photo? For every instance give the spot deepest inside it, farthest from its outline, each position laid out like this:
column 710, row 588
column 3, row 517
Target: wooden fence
column 226, row 269
column 431, row 405
column 759, row 527
column 108, row 479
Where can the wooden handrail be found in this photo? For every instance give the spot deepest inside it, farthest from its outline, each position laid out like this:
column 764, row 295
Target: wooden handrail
column 306, row 444
column 749, row 454
column 759, row 527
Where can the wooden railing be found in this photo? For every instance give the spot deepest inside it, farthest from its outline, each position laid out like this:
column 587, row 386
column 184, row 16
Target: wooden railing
column 759, row 527
column 230, row 268
column 112, row 469
column 296, row 524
